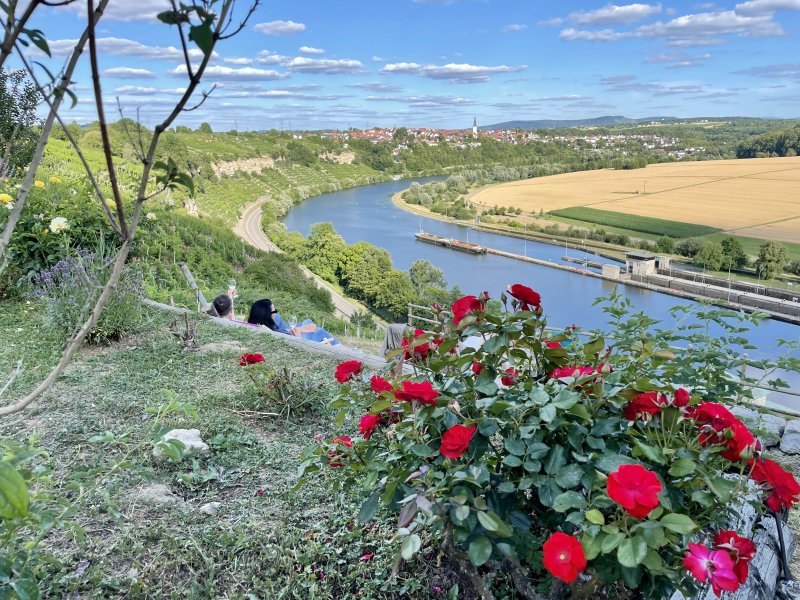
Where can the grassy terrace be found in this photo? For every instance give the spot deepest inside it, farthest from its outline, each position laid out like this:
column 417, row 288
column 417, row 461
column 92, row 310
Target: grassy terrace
column 146, row 541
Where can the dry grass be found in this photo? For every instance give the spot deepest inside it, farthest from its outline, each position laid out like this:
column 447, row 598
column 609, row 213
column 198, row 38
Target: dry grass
column 754, row 198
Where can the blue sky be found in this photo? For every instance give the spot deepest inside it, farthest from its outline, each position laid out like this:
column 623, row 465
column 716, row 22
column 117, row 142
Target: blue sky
column 321, row 64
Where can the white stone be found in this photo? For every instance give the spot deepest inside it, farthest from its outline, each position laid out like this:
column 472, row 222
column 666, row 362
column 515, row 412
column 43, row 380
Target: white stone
column 211, row 508
column 193, row 443
column 790, row 442
column 747, row 416
column 157, row 493
column 773, row 427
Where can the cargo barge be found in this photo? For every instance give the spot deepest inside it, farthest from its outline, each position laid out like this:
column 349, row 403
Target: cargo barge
column 450, row 243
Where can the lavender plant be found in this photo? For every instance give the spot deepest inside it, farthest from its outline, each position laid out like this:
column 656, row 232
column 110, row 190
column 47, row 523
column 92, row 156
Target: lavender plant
column 69, row 289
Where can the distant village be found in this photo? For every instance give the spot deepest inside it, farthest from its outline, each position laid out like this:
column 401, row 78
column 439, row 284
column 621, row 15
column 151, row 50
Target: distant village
column 464, row 138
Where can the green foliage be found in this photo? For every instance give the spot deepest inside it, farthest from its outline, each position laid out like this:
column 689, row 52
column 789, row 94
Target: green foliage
column 537, row 449
column 322, row 250
column 734, row 252
column 394, row 292
column 18, row 121
column 69, row 290
column 689, row 247
column 710, row 256
column 674, row 229
column 772, row 259
column 665, row 244
column 783, row 142
column 282, row 392
column 274, row 272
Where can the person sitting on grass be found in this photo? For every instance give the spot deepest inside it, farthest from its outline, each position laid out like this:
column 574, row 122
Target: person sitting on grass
column 264, row 313
column 222, row 307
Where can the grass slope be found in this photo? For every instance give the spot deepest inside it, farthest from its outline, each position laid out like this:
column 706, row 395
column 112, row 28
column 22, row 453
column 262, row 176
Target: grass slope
column 281, row 544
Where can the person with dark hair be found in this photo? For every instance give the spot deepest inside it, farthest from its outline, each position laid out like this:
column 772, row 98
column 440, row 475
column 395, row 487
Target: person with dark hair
column 264, row 313
column 222, row 305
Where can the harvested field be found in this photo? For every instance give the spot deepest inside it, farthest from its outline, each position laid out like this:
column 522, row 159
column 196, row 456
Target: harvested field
column 756, row 197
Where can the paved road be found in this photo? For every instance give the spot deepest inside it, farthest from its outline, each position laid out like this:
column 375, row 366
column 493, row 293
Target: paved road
column 248, row 227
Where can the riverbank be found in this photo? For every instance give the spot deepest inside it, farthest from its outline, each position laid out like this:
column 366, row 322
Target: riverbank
column 787, row 312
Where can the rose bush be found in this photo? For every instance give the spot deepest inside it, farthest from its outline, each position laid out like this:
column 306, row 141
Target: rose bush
column 538, row 456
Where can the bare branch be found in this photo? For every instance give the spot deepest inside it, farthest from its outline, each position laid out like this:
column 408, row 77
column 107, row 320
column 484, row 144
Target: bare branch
column 101, row 117
column 139, row 155
column 184, row 46
column 25, row 187
column 90, row 174
column 205, row 97
column 11, row 379
column 224, row 35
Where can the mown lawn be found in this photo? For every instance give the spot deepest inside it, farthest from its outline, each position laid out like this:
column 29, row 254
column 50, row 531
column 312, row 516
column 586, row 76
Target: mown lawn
column 146, row 541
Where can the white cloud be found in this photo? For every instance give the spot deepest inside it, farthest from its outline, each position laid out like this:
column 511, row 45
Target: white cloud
column 460, row 73
column 265, row 57
column 217, row 72
column 766, row 7
column 234, row 60
column 375, row 86
column 140, row 10
column 424, row 101
column 515, row 28
column 310, row 50
column 676, row 60
column 302, row 64
column 279, row 27
column 134, row 90
column 129, row 73
column 687, row 30
column 782, row 71
column 610, row 14
column 124, row 47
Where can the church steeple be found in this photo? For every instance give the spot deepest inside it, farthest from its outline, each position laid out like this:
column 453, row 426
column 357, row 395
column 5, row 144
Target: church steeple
column 474, row 127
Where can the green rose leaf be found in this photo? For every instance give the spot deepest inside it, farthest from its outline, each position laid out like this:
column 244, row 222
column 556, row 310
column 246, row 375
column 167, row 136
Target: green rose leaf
column 682, row 467
column 492, row 522
column 462, row 512
column 678, row 523
column 632, row 551
column 13, row 492
column 480, row 549
column 611, row 541
column 595, row 516
column 410, row 546
column 563, row 502
column 569, row 476
column 369, row 508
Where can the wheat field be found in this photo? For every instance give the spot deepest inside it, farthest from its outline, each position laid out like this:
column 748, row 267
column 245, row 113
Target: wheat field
column 753, row 198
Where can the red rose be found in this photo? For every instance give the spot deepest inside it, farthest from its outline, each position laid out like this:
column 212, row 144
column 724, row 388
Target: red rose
column 564, row 557
column 527, row 297
column 635, row 489
column 714, row 415
column 367, row 424
column 649, row 403
column 682, row 398
column 250, row 359
column 420, row 351
column 379, row 384
column 741, row 550
column 510, row 378
column 456, row 440
column 575, row 372
column 550, row 344
column 347, row 370
column 784, row 487
column 466, row 306
column 334, row 456
column 476, row 367
column 417, row 392
column 741, row 444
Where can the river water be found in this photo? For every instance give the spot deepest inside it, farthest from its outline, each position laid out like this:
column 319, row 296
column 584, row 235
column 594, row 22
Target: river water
column 367, row 214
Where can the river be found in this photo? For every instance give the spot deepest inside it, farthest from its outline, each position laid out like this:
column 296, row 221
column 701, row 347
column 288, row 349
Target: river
column 367, row 214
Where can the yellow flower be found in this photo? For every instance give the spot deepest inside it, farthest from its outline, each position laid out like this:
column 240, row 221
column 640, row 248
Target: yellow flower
column 151, row 216
column 55, row 179
column 38, row 184
column 6, row 199
column 59, row 224
column 112, row 206
column 44, row 232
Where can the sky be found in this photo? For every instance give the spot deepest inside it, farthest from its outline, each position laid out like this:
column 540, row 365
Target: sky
column 335, row 64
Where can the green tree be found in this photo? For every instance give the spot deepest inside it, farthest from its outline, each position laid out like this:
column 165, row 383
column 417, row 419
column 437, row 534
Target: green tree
column 710, row 256
column 300, row 153
column 424, row 273
column 205, row 128
column 18, row 121
column 734, row 252
column 665, row 244
column 362, row 267
column 322, row 251
column 394, row 293
column 772, row 259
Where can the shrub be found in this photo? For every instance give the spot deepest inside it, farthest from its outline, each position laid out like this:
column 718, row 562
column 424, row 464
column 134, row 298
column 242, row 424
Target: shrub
column 534, row 454
column 70, row 288
column 279, row 392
